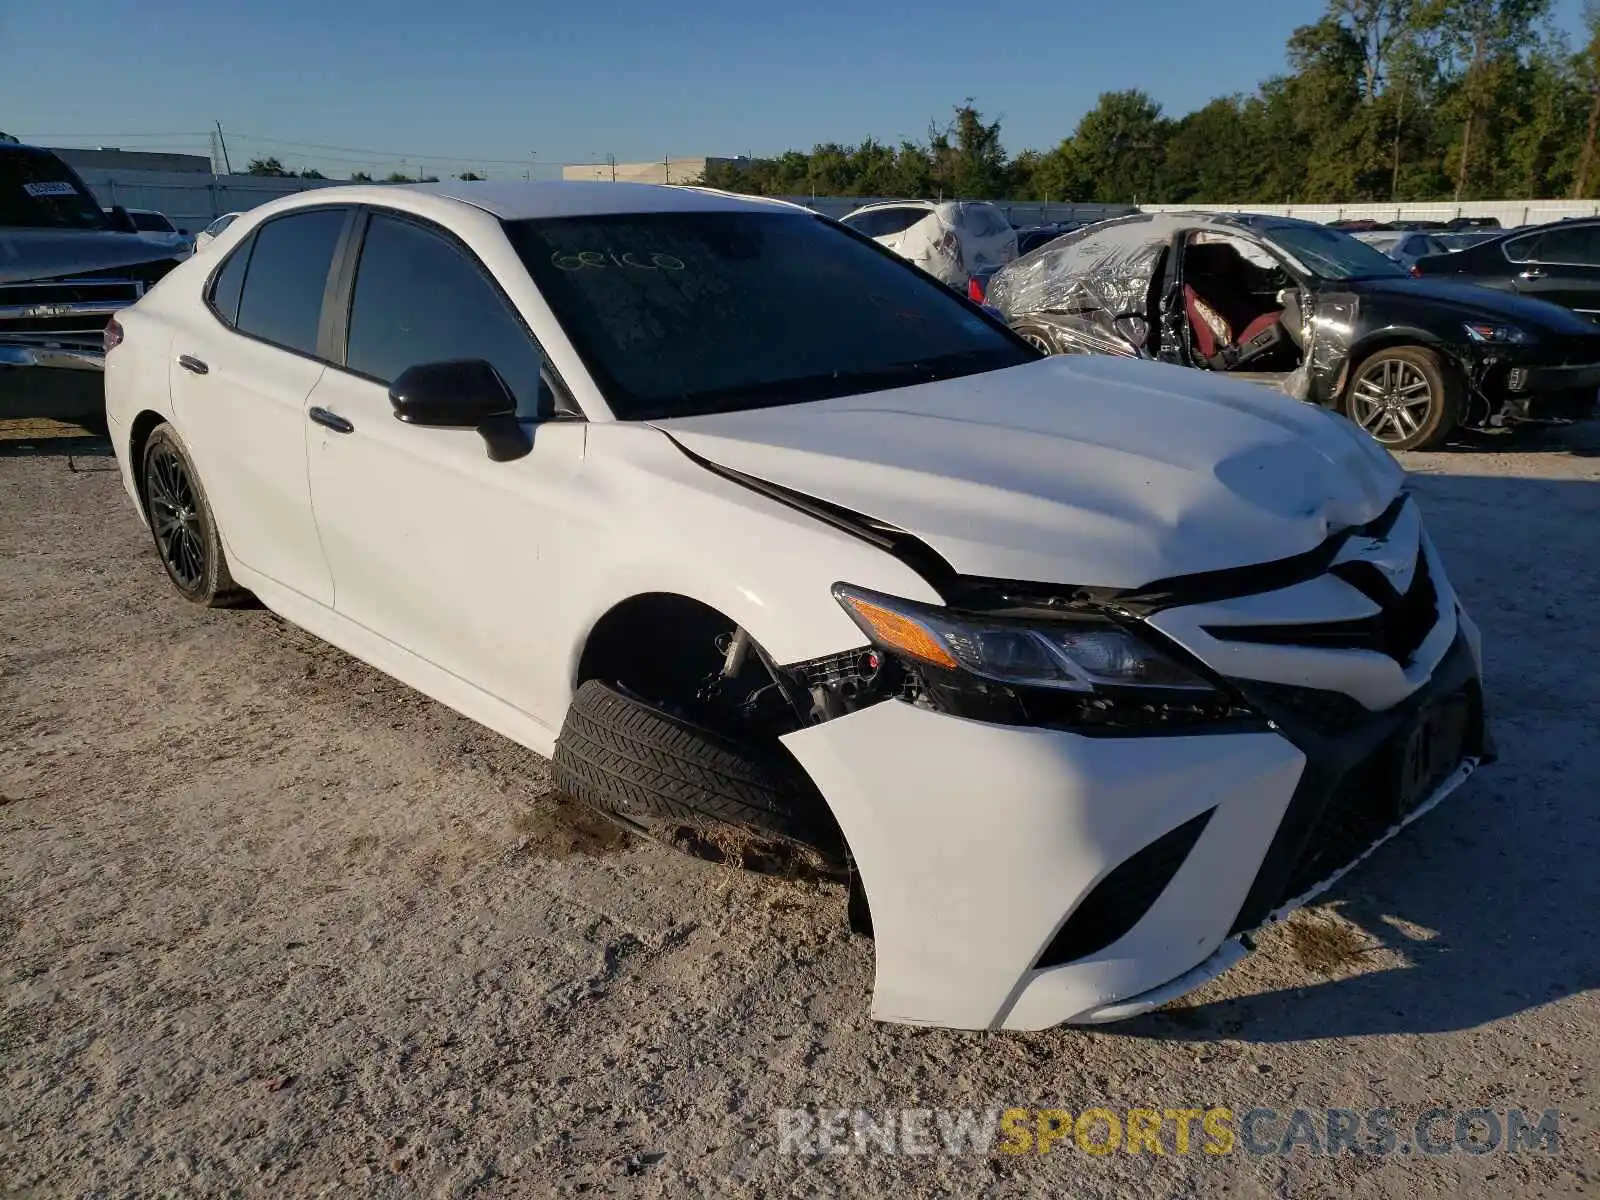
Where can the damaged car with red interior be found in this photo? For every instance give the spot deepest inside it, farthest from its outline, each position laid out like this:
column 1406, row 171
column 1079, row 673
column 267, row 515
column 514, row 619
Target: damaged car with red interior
column 1307, row 309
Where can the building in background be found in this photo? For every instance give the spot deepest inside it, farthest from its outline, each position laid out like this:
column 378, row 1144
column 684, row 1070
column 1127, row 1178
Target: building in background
column 110, row 158
column 667, row 170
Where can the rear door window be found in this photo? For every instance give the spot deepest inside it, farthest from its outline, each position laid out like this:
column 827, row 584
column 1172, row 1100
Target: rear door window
column 886, row 222
column 981, row 220
column 281, row 301
column 228, row 283
column 1575, row 246
column 422, row 298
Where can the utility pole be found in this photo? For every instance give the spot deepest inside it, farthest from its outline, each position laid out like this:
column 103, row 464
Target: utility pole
column 227, row 166
column 666, row 168
column 613, row 160
column 533, row 164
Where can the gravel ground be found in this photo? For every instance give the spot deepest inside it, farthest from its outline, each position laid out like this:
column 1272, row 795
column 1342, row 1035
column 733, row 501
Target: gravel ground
column 273, row 922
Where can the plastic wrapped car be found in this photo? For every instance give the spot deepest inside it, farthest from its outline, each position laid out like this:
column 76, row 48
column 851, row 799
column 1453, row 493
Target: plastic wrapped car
column 1310, row 310
column 951, row 240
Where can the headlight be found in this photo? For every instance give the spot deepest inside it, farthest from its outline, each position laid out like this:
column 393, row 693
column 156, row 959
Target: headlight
column 1072, row 653
column 1502, row 335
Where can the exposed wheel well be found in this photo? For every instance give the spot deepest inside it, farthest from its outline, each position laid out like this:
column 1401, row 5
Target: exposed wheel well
column 657, row 644
column 143, row 426
column 663, row 648
column 1395, row 340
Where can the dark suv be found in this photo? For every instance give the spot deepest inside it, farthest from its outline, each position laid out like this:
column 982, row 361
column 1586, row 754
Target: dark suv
column 65, row 265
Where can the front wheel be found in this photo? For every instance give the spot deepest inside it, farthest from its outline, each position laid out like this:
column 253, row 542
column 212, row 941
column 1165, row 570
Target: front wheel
column 181, row 521
column 1404, row 398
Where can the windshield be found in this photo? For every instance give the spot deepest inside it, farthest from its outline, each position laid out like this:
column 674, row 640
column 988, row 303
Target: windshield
column 1332, row 253
column 37, row 191
column 678, row 314
column 151, row 222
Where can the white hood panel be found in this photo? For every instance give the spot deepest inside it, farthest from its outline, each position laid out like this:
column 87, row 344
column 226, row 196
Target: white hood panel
column 1096, row 472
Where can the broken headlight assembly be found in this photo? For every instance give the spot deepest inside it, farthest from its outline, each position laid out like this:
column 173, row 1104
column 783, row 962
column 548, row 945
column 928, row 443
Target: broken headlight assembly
column 1498, row 335
column 1078, row 670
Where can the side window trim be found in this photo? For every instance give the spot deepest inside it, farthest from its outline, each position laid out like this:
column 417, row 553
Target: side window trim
column 255, row 234
column 210, row 293
column 342, row 293
column 1562, row 262
column 1530, row 240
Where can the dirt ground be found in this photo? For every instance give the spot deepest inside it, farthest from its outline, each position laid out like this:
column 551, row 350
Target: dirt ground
column 270, row 922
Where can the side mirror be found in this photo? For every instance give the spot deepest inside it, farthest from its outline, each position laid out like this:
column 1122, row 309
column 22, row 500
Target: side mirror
column 122, row 220
column 457, row 394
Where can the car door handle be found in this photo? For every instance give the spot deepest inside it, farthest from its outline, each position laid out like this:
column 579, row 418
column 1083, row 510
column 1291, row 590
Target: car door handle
column 1535, row 273
column 330, row 420
column 190, row 363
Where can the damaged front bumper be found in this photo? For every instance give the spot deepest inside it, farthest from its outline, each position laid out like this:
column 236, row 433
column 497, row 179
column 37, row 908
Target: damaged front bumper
column 1533, row 384
column 1020, row 876
column 998, row 861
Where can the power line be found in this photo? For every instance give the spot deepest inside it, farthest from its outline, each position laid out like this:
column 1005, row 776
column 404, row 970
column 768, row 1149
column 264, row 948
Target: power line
column 379, row 154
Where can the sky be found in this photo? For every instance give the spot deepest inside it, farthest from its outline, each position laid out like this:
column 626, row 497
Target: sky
column 507, row 86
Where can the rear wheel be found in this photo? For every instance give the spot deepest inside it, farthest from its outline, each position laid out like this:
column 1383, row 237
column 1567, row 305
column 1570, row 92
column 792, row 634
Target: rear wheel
column 181, row 521
column 1035, row 336
column 1404, row 398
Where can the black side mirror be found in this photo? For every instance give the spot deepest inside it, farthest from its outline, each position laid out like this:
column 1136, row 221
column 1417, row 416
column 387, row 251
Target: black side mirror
column 122, row 220
column 458, row 394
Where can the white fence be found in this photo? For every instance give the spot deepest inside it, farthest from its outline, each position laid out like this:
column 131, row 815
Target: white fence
column 193, row 201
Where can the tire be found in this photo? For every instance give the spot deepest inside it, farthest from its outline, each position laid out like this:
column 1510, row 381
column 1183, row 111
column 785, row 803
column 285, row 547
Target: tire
column 1405, row 398
column 182, row 524
column 1036, row 336
column 625, row 757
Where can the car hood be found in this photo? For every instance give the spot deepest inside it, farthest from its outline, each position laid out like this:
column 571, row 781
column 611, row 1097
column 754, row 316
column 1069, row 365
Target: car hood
column 1081, row 471
column 1474, row 302
column 49, row 253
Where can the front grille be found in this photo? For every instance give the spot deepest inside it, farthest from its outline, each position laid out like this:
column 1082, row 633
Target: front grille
column 1397, row 630
column 1323, row 711
column 71, row 291
column 1120, row 900
column 1365, row 804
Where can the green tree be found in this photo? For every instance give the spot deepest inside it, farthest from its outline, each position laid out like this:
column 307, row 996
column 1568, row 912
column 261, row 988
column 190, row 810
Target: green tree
column 267, row 166
column 470, row 176
column 1586, row 68
column 1482, row 40
column 360, row 177
column 1117, row 150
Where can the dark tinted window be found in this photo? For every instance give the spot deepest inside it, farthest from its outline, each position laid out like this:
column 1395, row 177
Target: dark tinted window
column 420, row 298
column 1578, row 245
column 682, row 313
column 282, row 299
column 228, row 282
column 882, row 222
column 150, row 222
column 1523, row 248
column 981, row 220
column 38, row 191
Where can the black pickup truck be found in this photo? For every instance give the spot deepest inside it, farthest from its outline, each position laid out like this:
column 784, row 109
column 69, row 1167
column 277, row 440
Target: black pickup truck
column 66, row 266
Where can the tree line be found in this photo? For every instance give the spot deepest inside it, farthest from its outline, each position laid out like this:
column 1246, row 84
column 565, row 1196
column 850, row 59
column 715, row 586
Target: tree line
column 1383, row 100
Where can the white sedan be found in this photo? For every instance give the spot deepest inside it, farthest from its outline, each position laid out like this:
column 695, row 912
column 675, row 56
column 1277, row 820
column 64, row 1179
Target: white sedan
column 214, row 230
column 1077, row 670
column 952, row 240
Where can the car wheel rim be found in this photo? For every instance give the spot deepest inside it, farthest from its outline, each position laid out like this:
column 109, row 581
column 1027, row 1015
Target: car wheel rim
column 175, row 517
column 1391, row 400
column 1038, row 343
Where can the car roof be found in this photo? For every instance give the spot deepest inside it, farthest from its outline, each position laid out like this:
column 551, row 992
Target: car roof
column 522, row 200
